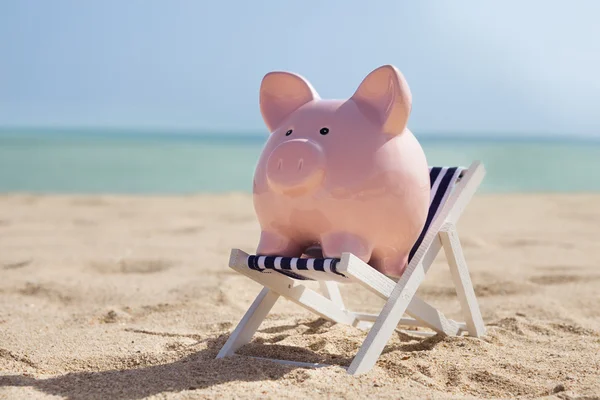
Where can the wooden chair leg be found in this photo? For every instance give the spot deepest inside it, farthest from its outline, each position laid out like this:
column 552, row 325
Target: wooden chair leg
column 247, row 327
column 462, row 281
column 388, row 320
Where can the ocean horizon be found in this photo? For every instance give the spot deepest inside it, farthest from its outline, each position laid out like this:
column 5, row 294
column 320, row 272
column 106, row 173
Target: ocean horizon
column 172, row 162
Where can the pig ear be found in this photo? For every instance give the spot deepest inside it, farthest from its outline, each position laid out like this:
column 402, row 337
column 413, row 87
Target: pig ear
column 281, row 93
column 385, row 98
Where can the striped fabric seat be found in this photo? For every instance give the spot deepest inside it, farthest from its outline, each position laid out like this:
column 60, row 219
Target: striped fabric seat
column 286, row 265
column 442, row 181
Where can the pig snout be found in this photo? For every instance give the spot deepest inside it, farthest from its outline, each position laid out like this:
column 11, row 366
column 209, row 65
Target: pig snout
column 295, row 167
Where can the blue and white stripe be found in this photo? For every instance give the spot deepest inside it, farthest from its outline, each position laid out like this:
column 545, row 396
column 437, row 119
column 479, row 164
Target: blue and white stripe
column 442, row 181
column 287, row 265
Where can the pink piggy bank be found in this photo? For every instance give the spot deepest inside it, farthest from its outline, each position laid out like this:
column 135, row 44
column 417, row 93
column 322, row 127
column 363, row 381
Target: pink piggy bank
column 344, row 175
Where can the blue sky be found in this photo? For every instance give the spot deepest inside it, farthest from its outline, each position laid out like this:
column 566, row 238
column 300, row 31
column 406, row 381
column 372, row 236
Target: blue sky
column 483, row 68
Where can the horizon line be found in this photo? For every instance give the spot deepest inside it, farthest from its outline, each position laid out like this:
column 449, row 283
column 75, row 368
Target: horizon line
column 232, row 133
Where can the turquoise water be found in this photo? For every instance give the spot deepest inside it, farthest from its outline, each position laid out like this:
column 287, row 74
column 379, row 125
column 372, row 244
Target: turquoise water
column 121, row 162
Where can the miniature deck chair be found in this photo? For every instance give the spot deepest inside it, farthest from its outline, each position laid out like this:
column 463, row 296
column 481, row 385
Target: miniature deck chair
column 451, row 191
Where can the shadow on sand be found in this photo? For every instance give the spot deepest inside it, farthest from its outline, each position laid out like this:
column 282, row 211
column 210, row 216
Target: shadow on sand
column 195, row 371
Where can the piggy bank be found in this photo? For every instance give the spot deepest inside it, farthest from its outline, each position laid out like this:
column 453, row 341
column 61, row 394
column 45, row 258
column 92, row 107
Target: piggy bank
column 341, row 175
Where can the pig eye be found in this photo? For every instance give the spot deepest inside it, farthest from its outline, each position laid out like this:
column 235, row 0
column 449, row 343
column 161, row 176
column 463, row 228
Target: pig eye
column 288, row 133
column 324, row 131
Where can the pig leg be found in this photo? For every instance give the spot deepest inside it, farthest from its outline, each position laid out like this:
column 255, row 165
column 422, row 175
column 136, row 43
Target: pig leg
column 275, row 244
column 336, row 243
column 392, row 266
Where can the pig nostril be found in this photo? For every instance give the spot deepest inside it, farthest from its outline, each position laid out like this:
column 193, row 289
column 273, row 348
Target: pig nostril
column 279, row 164
column 300, row 164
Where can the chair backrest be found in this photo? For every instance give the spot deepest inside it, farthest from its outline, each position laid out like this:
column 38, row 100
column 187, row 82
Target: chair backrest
column 442, row 181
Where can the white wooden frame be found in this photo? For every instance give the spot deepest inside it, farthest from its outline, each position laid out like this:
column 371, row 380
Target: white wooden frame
column 400, row 296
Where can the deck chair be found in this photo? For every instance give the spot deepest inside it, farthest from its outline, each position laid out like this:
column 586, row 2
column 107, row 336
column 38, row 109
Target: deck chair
column 451, row 190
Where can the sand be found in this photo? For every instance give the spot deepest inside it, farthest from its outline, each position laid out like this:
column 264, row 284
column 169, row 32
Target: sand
column 115, row 297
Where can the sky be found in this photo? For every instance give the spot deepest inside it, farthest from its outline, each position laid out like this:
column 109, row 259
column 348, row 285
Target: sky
column 479, row 68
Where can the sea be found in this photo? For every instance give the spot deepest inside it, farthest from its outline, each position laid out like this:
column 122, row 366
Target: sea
column 94, row 161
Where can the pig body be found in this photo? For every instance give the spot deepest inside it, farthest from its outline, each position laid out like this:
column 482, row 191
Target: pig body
column 346, row 175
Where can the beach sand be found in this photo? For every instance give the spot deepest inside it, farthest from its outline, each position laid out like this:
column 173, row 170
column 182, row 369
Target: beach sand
column 115, row 297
